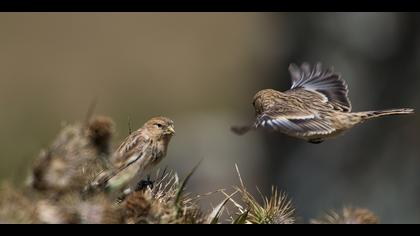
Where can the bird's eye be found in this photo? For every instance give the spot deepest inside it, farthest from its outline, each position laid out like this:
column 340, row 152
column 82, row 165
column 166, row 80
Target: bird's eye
column 159, row 125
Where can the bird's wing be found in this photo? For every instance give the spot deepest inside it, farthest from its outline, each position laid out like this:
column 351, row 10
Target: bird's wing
column 134, row 143
column 131, row 150
column 294, row 122
column 323, row 81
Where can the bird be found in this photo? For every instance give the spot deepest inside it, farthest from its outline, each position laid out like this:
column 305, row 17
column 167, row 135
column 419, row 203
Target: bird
column 314, row 109
column 136, row 156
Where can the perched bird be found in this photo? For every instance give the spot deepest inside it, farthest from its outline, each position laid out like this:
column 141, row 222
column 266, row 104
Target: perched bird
column 138, row 154
column 314, row 109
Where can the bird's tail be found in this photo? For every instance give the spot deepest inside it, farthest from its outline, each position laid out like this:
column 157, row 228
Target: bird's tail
column 367, row 115
column 97, row 184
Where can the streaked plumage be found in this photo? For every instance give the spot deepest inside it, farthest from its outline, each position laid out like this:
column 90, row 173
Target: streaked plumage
column 138, row 154
column 315, row 108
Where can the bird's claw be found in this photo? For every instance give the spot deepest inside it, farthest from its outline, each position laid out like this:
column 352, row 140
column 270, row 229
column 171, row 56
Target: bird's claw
column 143, row 184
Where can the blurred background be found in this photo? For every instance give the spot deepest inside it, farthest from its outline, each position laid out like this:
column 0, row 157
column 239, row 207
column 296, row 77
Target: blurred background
column 202, row 70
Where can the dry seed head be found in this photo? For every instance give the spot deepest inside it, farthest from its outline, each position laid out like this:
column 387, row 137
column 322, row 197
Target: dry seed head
column 276, row 209
column 348, row 216
column 100, row 131
column 15, row 207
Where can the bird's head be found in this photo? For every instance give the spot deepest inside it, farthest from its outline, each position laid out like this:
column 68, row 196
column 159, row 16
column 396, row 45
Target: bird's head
column 258, row 100
column 160, row 126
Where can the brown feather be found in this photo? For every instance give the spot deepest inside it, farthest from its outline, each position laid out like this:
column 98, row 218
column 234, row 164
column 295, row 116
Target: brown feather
column 139, row 152
column 323, row 81
column 315, row 108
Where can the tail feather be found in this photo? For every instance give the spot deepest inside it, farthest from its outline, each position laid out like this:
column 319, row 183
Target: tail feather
column 366, row 115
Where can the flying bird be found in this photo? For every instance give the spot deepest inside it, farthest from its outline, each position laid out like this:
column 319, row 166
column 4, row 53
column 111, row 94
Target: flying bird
column 314, row 109
column 142, row 150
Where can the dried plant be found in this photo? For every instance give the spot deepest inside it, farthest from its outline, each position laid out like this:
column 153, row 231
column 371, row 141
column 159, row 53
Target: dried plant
column 57, row 192
column 165, row 203
column 74, row 157
column 99, row 132
column 348, row 215
column 276, row 209
column 15, row 207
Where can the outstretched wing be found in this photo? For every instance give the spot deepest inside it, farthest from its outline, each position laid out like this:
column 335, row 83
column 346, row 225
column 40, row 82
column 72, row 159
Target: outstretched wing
column 323, row 81
column 294, row 121
column 308, row 126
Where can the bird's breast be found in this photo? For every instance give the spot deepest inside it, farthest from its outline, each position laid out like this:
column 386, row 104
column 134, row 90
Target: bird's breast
column 159, row 150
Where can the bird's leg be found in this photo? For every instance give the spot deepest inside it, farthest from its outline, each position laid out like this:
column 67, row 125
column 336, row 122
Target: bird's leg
column 140, row 186
column 316, row 141
column 144, row 184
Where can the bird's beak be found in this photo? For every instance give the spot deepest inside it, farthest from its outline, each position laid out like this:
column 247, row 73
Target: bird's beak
column 171, row 130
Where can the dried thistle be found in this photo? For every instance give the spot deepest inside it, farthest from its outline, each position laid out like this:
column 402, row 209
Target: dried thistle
column 99, row 210
column 50, row 212
column 75, row 156
column 348, row 216
column 15, row 207
column 100, row 131
column 164, row 203
column 80, row 151
column 276, row 209
column 71, row 208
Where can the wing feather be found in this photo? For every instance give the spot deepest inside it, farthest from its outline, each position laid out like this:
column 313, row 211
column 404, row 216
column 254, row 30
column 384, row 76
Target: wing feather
column 323, row 81
column 304, row 126
column 130, row 151
column 133, row 145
